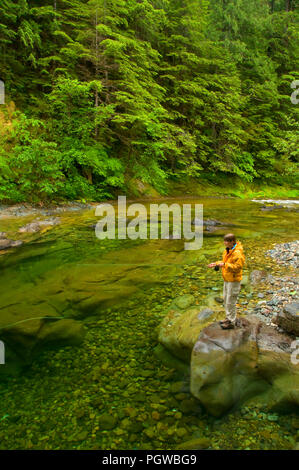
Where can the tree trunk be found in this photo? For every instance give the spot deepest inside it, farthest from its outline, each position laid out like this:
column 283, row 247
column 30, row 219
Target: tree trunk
column 88, row 174
column 96, row 101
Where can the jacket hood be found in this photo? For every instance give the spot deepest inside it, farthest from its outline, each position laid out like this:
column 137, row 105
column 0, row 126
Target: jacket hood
column 238, row 247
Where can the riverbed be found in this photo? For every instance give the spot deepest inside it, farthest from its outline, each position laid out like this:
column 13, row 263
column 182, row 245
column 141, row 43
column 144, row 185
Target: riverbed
column 113, row 391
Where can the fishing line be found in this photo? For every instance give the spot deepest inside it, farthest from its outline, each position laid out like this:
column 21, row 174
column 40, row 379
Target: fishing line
column 29, row 319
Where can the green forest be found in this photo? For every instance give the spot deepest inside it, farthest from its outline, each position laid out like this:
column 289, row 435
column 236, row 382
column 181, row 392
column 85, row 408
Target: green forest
column 102, row 92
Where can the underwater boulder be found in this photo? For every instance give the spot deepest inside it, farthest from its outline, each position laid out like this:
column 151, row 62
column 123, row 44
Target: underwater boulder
column 66, row 331
column 39, row 225
column 179, row 330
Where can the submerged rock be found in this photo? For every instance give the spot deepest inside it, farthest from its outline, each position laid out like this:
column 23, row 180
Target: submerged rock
column 184, row 301
column 271, row 208
column 37, row 226
column 107, row 421
column 210, row 224
column 25, row 339
column 229, row 367
column 66, row 331
column 179, row 331
column 195, row 444
column 205, row 314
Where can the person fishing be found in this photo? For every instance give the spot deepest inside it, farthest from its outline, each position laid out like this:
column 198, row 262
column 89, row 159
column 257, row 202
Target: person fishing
column 232, row 263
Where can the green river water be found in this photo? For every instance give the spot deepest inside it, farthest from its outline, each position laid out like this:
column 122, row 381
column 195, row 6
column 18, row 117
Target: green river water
column 113, row 391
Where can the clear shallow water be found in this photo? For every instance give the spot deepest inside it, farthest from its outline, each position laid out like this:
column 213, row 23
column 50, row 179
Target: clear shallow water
column 113, row 392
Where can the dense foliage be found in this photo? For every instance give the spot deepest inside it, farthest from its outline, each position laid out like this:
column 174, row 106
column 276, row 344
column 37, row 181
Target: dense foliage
column 102, row 91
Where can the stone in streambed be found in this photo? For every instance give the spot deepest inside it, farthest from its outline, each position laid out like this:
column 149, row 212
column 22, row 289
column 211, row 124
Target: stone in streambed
column 195, row 444
column 184, row 301
column 67, row 331
column 107, row 421
column 37, row 226
column 271, row 208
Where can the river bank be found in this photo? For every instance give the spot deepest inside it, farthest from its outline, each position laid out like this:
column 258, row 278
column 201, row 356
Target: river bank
column 45, row 209
column 210, row 186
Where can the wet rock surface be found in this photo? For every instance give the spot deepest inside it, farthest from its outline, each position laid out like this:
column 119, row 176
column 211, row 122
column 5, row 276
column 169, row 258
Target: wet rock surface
column 26, row 339
column 271, row 208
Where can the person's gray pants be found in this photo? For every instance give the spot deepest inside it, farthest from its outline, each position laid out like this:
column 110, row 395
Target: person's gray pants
column 230, row 296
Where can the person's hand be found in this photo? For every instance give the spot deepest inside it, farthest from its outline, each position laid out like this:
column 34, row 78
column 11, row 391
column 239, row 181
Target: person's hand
column 212, row 265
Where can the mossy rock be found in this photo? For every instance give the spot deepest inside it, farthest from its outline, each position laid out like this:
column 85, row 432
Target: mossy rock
column 138, row 188
column 66, row 331
column 179, row 330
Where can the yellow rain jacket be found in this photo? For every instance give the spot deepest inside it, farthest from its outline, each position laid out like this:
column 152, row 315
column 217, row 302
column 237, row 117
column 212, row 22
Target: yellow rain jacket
column 234, row 261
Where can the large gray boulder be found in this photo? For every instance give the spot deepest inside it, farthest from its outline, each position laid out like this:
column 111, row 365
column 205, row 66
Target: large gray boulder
column 252, row 361
column 288, row 319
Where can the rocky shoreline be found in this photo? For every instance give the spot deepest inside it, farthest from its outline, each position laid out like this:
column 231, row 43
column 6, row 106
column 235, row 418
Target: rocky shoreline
column 278, row 292
column 284, row 291
column 24, row 210
column 286, row 254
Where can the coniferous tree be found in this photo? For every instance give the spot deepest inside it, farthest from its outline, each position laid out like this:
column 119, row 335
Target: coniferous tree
column 112, row 89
